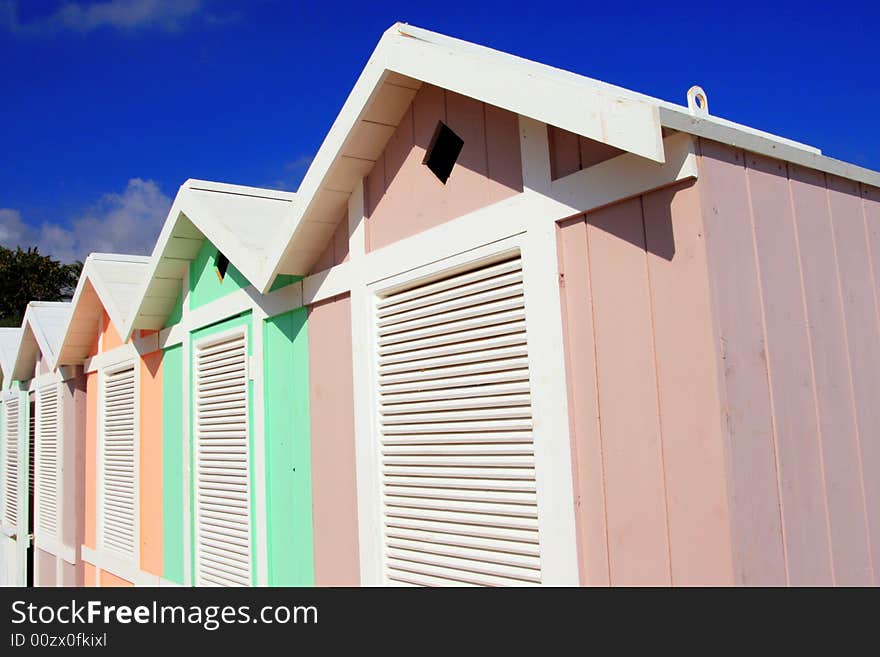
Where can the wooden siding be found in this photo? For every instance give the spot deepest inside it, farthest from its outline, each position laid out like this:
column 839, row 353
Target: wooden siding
column 651, row 502
column 403, row 197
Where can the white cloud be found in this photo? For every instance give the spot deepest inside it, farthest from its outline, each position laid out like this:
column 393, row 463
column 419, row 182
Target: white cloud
column 128, row 222
column 167, row 15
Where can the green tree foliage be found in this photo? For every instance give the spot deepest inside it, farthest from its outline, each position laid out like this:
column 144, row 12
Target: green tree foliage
column 25, row 276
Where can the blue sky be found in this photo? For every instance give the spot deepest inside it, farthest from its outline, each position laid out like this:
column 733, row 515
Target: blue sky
column 108, row 106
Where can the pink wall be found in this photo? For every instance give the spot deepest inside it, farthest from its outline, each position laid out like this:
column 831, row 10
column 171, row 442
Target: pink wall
column 331, row 407
column 651, row 501
column 337, row 249
column 570, row 152
column 403, row 197
column 723, row 346
column 44, row 568
column 794, row 282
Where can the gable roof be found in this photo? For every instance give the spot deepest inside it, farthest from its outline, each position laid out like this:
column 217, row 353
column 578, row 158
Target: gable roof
column 108, row 283
column 41, row 332
column 9, row 339
column 407, row 56
column 240, row 221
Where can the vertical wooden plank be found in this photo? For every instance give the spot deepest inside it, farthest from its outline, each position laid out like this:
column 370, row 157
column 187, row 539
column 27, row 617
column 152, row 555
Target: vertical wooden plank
column 583, row 404
column 429, row 109
column 690, row 409
column 174, row 518
column 635, row 492
column 804, row 511
column 870, row 449
column 504, row 161
column 565, row 157
column 45, row 570
column 834, row 394
column 325, row 260
column 594, row 152
column 391, row 217
column 861, row 316
column 89, row 576
column 752, row 478
column 334, row 493
column 466, row 187
column 289, row 518
column 109, row 335
column 340, row 241
column 108, row 579
column 150, row 483
column 374, row 188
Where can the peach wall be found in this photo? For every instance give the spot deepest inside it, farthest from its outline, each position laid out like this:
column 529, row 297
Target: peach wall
column 110, row 338
column 651, row 501
column 792, row 256
column 109, row 579
column 334, row 493
column 151, row 463
column 89, row 575
column 403, row 197
column 91, row 461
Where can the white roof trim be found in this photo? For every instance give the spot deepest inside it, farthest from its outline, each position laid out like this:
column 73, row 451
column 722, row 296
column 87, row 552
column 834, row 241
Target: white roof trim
column 604, row 112
column 113, row 278
column 42, row 331
column 240, row 221
column 9, row 340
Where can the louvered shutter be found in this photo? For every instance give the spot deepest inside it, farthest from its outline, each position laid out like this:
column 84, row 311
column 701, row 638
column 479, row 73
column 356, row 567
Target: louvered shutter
column 457, row 458
column 10, row 463
column 119, row 480
column 223, row 528
column 48, row 431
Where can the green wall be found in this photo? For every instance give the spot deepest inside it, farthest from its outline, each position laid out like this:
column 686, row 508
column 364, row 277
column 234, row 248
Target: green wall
column 288, row 451
column 172, row 463
column 285, row 405
column 204, row 284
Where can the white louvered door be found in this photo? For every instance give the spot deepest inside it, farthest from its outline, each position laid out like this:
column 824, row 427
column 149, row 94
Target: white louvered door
column 48, row 428
column 457, row 458
column 11, row 492
column 118, row 452
column 222, row 481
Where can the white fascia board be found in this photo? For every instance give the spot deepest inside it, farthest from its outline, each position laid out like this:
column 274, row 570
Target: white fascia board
column 92, row 274
column 672, row 115
column 158, row 250
column 632, row 124
column 544, row 93
column 757, row 142
column 368, row 83
column 249, row 262
column 243, row 190
column 668, row 111
column 84, row 278
column 36, row 317
column 623, row 121
column 10, row 338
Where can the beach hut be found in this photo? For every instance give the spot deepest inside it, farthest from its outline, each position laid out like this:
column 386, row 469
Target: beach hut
column 115, row 419
column 39, row 409
column 229, row 475
column 595, row 337
column 516, row 327
column 9, row 463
